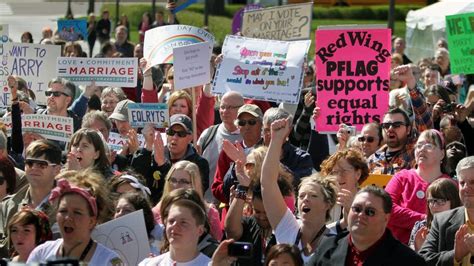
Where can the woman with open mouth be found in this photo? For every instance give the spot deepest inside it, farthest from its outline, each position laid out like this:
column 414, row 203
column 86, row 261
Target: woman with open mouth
column 316, row 197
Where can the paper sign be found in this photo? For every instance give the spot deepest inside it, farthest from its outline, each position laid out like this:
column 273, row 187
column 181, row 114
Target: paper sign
column 262, row 69
column 378, row 180
column 160, row 41
column 4, row 90
column 353, row 76
column 73, row 29
column 238, row 16
column 460, row 33
column 192, row 65
column 125, row 235
column 285, row 23
column 116, row 142
column 140, row 114
column 117, row 72
column 51, row 127
column 33, row 62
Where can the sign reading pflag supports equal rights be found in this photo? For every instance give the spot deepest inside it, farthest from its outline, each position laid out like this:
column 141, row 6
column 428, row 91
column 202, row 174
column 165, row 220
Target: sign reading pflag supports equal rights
column 353, row 78
column 118, row 72
column 262, row 69
column 460, row 32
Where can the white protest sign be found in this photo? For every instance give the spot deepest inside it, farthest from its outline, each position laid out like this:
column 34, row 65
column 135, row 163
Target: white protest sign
column 192, row 65
column 160, row 41
column 51, row 127
column 285, row 23
column 5, row 96
column 141, row 114
column 116, row 142
column 262, row 69
column 35, row 63
column 117, row 72
column 125, row 235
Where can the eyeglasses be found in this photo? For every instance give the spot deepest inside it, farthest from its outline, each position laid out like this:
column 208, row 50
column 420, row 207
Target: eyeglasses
column 369, row 139
column 426, row 145
column 181, row 134
column 43, row 164
column 229, row 107
column 243, row 123
column 397, row 124
column 180, row 182
column 369, row 211
column 439, row 202
column 55, row 93
column 340, row 172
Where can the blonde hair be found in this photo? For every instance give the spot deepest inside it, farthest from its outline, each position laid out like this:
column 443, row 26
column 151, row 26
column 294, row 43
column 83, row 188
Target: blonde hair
column 328, row 186
column 192, row 170
column 181, row 94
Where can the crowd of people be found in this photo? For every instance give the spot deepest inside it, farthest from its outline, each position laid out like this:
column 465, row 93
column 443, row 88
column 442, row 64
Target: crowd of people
column 245, row 171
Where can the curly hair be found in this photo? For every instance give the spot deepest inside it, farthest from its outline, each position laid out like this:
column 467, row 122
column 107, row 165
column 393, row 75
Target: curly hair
column 353, row 156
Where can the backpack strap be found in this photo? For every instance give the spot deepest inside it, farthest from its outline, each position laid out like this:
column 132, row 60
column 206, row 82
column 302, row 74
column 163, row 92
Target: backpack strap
column 209, row 137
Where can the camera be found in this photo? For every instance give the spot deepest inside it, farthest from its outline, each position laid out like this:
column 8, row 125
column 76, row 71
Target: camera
column 448, row 108
column 240, row 249
column 351, row 130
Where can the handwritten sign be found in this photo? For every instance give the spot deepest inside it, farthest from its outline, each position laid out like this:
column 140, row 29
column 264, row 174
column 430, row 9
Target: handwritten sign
column 116, row 142
column 33, row 62
column 262, row 69
column 141, row 114
column 285, row 23
column 160, row 41
column 72, row 29
column 238, row 16
column 5, row 96
column 460, row 33
column 118, row 72
column 353, row 76
column 125, row 235
column 191, row 65
column 51, row 127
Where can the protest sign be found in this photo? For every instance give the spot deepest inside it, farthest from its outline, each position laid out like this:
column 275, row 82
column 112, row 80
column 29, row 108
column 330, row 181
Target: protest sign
column 265, row 70
column 160, row 41
column 51, row 127
column 238, row 16
column 141, row 114
column 117, row 72
column 116, row 142
column 33, row 62
column 5, row 96
column 460, row 33
column 72, row 29
column 125, row 235
column 191, row 65
column 285, row 23
column 353, row 76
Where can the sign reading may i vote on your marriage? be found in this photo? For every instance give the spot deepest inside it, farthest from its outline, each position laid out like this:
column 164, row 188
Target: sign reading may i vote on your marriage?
column 266, row 70
column 460, row 32
column 285, row 23
column 353, row 78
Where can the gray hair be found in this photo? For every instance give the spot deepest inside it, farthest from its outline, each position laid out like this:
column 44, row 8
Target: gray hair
column 466, row 163
column 113, row 91
column 89, row 118
column 69, row 87
column 274, row 113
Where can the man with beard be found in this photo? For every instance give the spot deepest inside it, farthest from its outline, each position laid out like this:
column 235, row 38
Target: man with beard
column 455, row 151
column 399, row 136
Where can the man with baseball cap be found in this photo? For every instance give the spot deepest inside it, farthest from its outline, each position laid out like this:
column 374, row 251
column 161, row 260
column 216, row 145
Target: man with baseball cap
column 120, row 118
column 178, row 147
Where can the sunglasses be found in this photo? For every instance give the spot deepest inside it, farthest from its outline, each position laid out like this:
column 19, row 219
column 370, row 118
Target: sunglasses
column 367, row 211
column 369, row 139
column 439, row 202
column 181, row 134
column 55, row 93
column 243, row 123
column 43, row 164
column 180, row 182
column 397, row 124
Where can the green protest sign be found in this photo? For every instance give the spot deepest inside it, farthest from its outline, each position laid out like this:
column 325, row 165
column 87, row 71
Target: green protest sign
column 460, row 33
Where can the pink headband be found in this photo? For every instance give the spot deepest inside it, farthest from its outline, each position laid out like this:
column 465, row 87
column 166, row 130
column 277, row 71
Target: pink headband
column 440, row 135
column 63, row 187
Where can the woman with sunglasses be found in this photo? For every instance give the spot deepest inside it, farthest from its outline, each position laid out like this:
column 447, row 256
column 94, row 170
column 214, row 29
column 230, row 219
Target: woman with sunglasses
column 316, row 197
column 408, row 187
column 441, row 195
column 370, row 138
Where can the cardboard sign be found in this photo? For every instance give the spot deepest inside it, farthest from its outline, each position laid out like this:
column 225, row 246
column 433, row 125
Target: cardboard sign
column 51, row 127
column 33, row 62
column 72, row 29
column 140, row 114
column 238, row 16
column 117, row 72
column 285, row 23
column 192, row 65
column 379, row 180
column 125, row 235
column 116, row 142
column 160, row 41
column 262, row 69
column 353, row 76
column 460, row 33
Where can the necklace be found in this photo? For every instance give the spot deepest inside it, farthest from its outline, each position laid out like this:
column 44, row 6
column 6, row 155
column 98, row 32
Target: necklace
column 84, row 252
column 298, row 238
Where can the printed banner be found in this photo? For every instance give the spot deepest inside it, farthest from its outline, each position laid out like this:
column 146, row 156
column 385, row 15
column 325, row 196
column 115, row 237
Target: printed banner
column 51, row 127
column 5, row 96
column 159, row 42
column 285, row 23
column 125, row 235
column 265, row 70
column 116, row 142
column 35, row 63
column 191, row 65
column 141, row 114
column 117, row 72
column 353, row 76
column 460, row 33
column 72, row 29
